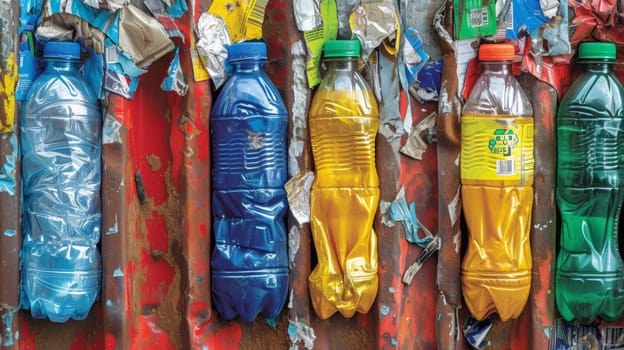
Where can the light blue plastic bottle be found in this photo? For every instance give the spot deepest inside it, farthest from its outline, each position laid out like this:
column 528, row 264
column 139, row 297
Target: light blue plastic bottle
column 61, row 177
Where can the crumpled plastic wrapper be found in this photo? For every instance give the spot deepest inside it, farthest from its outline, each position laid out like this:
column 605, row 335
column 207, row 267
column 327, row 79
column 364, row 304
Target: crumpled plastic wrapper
column 175, row 79
column 65, row 26
column 108, row 5
column 298, row 193
column 136, row 32
column 373, row 23
column 549, row 7
column 344, row 8
column 475, row 332
column 158, row 10
column 212, row 46
column 142, row 36
column 416, row 143
column 307, row 14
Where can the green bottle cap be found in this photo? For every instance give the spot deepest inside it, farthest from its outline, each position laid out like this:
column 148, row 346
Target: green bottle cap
column 591, row 50
column 341, row 48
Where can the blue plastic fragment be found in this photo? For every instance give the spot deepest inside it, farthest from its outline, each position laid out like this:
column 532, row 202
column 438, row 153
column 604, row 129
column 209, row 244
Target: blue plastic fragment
column 414, row 57
column 7, row 168
column 178, row 9
column 475, row 332
column 399, row 211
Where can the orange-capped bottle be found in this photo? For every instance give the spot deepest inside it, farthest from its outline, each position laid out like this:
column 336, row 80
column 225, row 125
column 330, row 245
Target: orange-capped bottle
column 496, row 167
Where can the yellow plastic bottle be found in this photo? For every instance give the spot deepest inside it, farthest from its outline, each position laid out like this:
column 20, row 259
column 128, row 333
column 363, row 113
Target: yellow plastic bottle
column 344, row 119
column 497, row 166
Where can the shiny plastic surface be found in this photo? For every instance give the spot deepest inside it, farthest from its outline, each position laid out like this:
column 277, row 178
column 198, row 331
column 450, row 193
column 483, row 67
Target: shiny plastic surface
column 497, row 192
column 589, row 276
column 249, row 261
column 61, row 173
column 344, row 119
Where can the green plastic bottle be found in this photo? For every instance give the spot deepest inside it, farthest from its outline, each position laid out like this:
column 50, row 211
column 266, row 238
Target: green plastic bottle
column 589, row 277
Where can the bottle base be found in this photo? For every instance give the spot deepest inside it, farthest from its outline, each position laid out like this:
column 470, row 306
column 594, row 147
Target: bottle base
column 249, row 294
column 505, row 296
column 587, row 298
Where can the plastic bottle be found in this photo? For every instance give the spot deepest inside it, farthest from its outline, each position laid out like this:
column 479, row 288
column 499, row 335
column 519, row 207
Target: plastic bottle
column 61, row 128
column 344, row 119
column 248, row 126
column 496, row 171
column 589, row 277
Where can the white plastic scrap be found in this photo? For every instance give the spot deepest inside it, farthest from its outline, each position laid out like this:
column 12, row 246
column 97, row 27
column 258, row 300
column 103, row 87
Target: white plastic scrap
column 307, row 14
column 298, row 192
column 372, row 23
column 212, row 45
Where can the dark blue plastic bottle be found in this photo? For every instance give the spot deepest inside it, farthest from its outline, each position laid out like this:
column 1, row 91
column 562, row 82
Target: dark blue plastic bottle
column 61, row 177
column 248, row 128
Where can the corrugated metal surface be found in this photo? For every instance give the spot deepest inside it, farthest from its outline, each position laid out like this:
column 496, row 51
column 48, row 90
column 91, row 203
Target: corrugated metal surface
column 156, row 238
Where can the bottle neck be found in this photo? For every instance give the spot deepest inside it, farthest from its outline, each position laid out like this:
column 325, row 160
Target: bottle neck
column 599, row 67
column 62, row 64
column 341, row 63
column 247, row 66
column 496, row 67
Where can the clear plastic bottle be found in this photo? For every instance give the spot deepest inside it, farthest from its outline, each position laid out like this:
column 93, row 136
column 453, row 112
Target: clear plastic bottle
column 589, row 277
column 344, row 119
column 61, row 128
column 248, row 126
column 497, row 167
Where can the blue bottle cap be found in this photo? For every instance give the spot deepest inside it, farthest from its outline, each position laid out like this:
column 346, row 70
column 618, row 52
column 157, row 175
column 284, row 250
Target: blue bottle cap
column 246, row 50
column 61, row 49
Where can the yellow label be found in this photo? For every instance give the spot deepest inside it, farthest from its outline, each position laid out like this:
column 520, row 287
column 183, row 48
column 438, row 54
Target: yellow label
column 199, row 68
column 8, row 82
column 497, row 148
column 243, row 18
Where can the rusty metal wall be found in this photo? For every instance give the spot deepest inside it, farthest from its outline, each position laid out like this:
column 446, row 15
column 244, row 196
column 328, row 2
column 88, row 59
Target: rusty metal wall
column 156, row 238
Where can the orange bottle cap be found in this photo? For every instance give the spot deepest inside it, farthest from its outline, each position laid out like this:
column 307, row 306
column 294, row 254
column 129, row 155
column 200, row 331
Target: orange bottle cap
column 496, row 52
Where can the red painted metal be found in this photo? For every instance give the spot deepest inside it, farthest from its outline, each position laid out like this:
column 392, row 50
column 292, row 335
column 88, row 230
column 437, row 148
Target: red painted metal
column 156, row 235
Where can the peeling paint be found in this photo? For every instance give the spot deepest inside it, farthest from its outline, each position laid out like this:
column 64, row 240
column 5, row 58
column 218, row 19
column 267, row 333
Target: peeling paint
column 7, row 170
column 457, row 241
column 7, row 322
column 444, row 106
column 118, row 273
column 9, row 75
column 300, row 93
column 384, row 209
column 294, row 241
column 10, row 233
column 547, row 332
column 114, row 229
column 454, row 208
column 301, row 332
column 110, row 130
column 542, row 226
column 391, row 126
column 385, row 310
column 291, row 299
